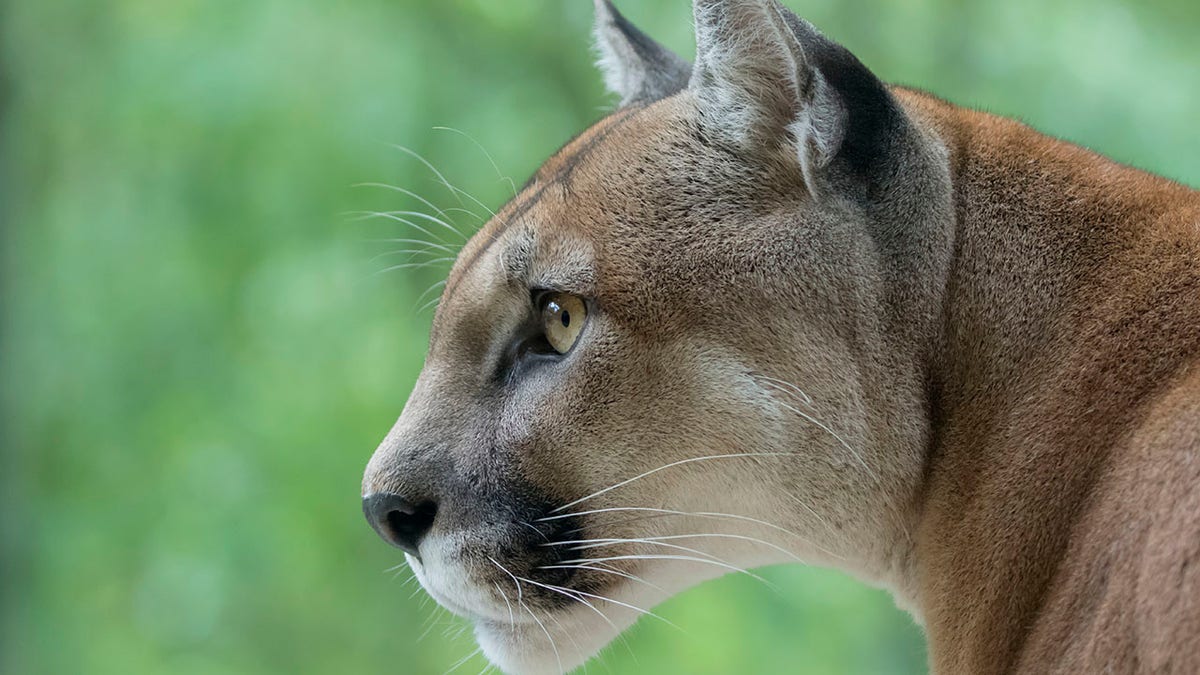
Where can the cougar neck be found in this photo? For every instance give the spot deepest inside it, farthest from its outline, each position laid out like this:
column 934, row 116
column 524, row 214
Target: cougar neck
column 1039, row 369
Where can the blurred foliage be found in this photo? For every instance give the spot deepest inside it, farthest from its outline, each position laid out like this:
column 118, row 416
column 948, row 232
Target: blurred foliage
column 199, row 357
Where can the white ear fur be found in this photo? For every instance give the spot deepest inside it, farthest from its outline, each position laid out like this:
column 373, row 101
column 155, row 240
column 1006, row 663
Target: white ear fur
column 635, row 67
column 756, row 84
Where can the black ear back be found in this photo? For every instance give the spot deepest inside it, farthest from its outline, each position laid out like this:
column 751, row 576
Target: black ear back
column 873, row 117
column 635, row 67
column 763, row 75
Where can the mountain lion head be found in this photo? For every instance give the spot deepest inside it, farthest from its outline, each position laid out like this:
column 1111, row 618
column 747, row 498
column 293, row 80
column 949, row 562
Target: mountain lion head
column 692, row 345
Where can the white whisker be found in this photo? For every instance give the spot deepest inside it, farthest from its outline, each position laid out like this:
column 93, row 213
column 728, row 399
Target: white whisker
column 644, row 612
column 608, row 570
column 431, row 303
column 571, row 594
column 456, row 191
column 412, row 153
column 444, row 213
column 469, row 212
column 791, row 387
column 663, row 544
column 436, row 285
column 821, row 519
column 412, row 252
column 459, row 664
column 487, row 154
column 563, row 631
column 732, row 568
column 431, row 620
column 655, row 513
column 421, row 215
column 597, row 543
column 831, row 432
column 396, row 216
column 535, row 529
column 412, row 255
column 512, row 622
column 427, row 244
column 521, row 602
column 414, row 265
column 668, row 466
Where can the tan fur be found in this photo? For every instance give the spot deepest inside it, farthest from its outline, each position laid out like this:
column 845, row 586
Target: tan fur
column 975, row 382
column 1061, row 528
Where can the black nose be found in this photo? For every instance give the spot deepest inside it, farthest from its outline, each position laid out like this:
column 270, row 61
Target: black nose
column 401, row 523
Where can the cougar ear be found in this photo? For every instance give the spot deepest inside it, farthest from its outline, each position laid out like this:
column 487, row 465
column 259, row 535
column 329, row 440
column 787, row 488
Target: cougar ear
column 635, row 67
column 757, row 84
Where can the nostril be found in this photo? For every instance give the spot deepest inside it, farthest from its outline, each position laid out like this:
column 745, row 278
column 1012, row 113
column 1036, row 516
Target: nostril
column 398, row 521
column 410, row 527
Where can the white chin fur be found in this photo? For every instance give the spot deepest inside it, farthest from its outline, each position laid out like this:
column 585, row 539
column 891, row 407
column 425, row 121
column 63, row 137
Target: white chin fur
column 579, row 632
column 527, row 649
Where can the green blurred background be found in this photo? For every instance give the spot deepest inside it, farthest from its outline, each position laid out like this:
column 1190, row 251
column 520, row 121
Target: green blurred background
column 199, row 354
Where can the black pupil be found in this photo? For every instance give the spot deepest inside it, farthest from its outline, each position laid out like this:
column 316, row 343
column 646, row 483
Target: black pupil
column 566, row 318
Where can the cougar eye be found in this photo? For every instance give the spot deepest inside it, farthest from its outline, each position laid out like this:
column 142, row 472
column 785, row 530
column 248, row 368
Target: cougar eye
column 563, row 317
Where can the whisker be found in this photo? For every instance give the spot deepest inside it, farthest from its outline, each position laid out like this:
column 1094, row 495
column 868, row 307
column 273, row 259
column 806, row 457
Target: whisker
column 485, row 154
column 656, row 542
column 459, row 664
column 571, row 594
column 608, row 570
column 563, row 631
column 427, row 244
column 644, row 612
column 596, row 543
column 431, row 303
column 831, row 432
column 732, row 568
column 821, row 519
column 677, row 547
column 521, row 602
column 431, row 167
column 454, row 190
column 574, row 595
column 454, row 631
column 415, row 214
column 469, row 212
column 431, row 620
column 656, row 513
column 791, row 387
column 668, row 466
column 535, row 529
column 412, row 253
column 414, row 265
column 444, row 213
column 398, row 217
column 512, row 622
column 436, row 285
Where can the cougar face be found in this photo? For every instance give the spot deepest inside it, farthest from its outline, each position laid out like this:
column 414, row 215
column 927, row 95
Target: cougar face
column 686, row 348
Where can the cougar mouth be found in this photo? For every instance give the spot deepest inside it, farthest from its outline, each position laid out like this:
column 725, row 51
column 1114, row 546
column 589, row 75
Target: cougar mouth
column 544, row 595
column 477, row 572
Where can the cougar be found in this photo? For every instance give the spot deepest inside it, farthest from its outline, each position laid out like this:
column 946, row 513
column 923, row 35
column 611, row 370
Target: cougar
column 773, row 310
